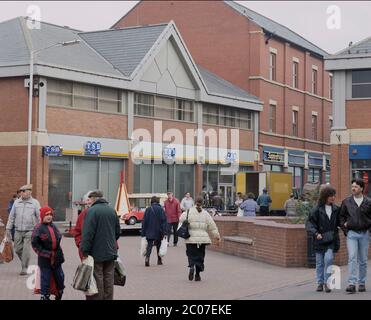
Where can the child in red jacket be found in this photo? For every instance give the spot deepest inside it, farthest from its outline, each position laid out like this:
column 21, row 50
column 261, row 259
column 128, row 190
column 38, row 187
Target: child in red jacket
column 46, row 240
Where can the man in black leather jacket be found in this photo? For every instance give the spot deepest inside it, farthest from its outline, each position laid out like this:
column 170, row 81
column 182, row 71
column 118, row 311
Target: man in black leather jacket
column 355, row 220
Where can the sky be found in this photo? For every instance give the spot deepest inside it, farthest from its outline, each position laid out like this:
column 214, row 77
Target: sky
column 331, row 25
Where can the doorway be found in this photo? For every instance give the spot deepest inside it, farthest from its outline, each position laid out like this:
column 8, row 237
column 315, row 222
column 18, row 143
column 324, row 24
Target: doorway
column 226, row 191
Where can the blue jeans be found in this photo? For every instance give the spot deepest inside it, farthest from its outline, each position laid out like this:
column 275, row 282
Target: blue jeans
column 323, row 261
column 358, row 254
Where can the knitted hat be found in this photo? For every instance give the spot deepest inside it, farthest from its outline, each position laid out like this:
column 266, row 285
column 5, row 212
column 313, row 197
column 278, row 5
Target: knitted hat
column 44, row 211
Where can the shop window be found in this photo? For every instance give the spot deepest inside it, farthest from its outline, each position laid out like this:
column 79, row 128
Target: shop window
column 314, row 175
column 297, row 177
column 361, row 83
column 110, row 173
column 85, row 177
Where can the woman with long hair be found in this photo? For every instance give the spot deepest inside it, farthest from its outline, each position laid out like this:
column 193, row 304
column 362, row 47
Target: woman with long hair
column 200, row 226
column 324, row 222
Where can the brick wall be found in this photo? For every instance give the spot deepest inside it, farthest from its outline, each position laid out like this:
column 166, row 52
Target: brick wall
column 274, row 241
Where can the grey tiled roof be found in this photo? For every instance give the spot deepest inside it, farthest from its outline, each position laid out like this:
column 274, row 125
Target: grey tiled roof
column 217, row 85
column 276, row 28
column 124, row 48
column 362, row 48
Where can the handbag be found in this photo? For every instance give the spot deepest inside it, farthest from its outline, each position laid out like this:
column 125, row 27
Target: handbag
column 6, row 250
column 183, row 231
column 120, row 274
column 327, row 237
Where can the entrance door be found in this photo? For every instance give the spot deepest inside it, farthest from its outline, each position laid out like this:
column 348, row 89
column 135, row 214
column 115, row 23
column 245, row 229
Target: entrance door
column 226, row 191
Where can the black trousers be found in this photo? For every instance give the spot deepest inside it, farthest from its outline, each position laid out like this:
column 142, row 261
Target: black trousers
column 264, row 211
column 196, row 256
column 172, row 227
column 150, row 245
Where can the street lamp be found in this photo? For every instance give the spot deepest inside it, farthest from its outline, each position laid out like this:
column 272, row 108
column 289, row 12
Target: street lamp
column 33, row 53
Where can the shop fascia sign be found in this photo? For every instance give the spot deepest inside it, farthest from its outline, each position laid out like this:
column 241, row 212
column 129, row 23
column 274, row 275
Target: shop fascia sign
column 274, row 156
column 52, row 151
column 92, row 148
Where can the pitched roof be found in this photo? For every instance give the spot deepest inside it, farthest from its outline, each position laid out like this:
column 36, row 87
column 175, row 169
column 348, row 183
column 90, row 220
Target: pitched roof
column 217, row 85
column 124, row 48
column 361, row 48
column 276, row 29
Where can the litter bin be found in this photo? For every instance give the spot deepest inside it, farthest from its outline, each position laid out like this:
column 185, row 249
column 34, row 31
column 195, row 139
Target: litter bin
column 311, row 253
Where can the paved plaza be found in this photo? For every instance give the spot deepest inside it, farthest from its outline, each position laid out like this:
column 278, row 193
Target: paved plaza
column 225, row 278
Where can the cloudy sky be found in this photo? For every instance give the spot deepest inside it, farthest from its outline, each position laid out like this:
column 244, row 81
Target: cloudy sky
column 331, row 25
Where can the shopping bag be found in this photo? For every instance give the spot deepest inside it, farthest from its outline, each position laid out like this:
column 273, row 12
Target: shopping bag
column 120, row 274
column 83, row 277
column 6, row 250
column 163, row 248
column 240, row 212
column 143, row 246
column 53, row 287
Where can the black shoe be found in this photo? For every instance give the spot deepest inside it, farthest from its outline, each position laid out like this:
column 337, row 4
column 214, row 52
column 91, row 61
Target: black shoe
column 191, row 274
column 361, row 288
column 351, row 288
column 319, row 288
column 59, row 295
column 197, row 277
column 159, row 261
column 46, row 297
column 175, row 244
column 327, row 289
column 146, row 263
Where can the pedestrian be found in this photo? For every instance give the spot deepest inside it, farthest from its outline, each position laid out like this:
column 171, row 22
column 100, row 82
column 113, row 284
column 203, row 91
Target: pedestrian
column 24, row 216
column 10, row 206
column 290, row 206
column 46, row 242
column 217, row 201
column 154, row 228
column 100, row 231
column 200, row 225
column 77, row 231
column 355, row 220
column 264, row 200
column 187, row 202
column 324, row 222
column 173, row 212
column 238, row 202
column 249, row 206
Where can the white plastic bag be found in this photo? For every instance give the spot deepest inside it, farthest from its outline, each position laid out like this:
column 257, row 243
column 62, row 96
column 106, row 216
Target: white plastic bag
column 93, row 289
column 163, row 247
column 240, row 212
column 143, row 246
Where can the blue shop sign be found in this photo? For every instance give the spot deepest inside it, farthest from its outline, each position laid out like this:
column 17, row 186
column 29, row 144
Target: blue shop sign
column 296, row 157
column 93, row 148
column 53, row 151
column 169, row 153
column 231, row 157
column 315, row 160
column 359, row 152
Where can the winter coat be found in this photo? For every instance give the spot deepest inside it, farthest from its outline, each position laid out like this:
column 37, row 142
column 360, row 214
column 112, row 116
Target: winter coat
column 77, row 231
column 154, row 223
column 264, row 200
column 24, row 215
column 172, row 210
column 290, row 207
column 249, row 208
column 46, row 242
column 200, row 226
column 319, row 223
column 101, row 229
column 357, row 218
column 186, row 204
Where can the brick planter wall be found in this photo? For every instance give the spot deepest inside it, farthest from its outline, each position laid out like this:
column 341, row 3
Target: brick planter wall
column 270, row 240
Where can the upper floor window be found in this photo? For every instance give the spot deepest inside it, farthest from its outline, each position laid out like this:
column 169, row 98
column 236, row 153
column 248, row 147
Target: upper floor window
column 272, row 66
column 314, row 81
column 295, row 117
column 314, row 127
column 272, row 118
column 82, row 96
column 361, row 83
column 226, row 116
column 295, row 74
column 163, row 107
column 331, row 86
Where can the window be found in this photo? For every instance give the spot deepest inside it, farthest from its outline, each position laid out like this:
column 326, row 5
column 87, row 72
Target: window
column 297, row 177
column 144, row 105
column 82, row 96
column 225, row 116
column 272, row 118
column 164, row 108
column 272, row 66
column 184, row 110
column 314, row 127
column 295, row 123
column 361, row 83
column 331, row 84
column 314, row 81
column 295, row 74
column 314, row 175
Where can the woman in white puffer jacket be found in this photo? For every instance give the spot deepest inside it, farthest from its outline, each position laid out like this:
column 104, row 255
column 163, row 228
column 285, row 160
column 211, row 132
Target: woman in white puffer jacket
column 201, row 226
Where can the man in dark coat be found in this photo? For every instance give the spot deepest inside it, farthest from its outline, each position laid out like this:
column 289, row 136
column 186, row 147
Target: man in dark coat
column 101, row 229
column 154, row 227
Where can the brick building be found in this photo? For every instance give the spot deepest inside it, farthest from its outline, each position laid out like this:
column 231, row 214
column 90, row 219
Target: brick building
column 351, row 133
column 116, row 102
column 280, row 67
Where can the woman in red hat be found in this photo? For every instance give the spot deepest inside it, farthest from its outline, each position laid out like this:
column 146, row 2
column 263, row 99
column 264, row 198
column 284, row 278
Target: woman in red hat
column 46, row 241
